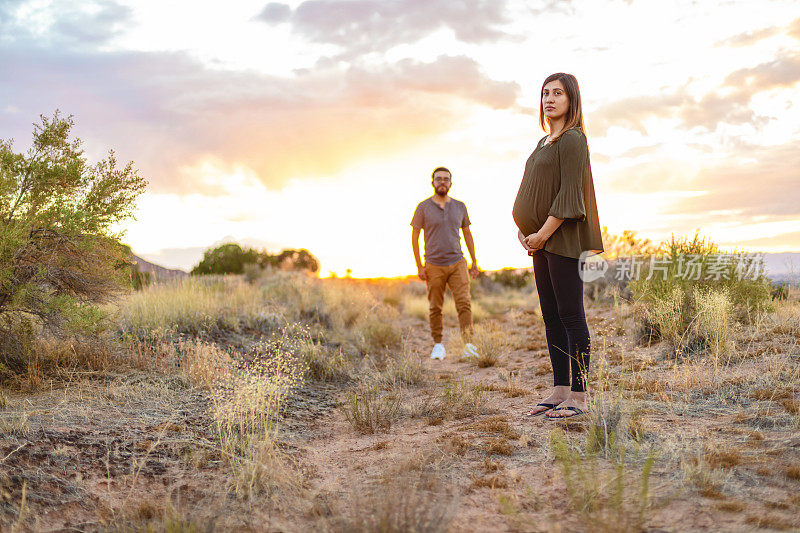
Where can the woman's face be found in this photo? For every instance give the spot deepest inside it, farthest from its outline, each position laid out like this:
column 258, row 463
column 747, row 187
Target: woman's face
column 555, row 102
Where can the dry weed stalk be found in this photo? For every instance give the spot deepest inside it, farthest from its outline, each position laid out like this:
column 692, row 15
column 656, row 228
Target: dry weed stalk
column 603, row 499
column 370, row 409
column 412, row 501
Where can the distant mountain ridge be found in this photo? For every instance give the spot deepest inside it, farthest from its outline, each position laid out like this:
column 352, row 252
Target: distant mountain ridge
column 157, row 271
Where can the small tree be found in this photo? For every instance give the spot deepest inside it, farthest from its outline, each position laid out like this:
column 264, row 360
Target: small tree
column 59, row 253
column 297, row 260
column 227, row 259
column 232, row 259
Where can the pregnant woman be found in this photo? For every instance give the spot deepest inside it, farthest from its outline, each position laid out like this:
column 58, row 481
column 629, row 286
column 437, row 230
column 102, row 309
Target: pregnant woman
column 556, row 214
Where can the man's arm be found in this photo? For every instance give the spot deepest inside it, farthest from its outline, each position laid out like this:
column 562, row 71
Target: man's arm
column 415, row 247
column 471, row 249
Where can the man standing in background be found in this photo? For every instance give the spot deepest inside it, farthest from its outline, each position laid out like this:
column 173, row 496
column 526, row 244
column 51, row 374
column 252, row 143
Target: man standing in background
column 441, row 217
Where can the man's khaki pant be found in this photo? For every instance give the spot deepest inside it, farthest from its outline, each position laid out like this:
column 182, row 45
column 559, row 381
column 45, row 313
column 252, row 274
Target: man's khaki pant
column 457, row 278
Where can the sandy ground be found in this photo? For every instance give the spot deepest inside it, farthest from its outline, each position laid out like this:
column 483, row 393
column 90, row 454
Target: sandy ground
column 103, row 452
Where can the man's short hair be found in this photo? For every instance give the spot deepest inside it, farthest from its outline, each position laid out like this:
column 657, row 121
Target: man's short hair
column 437, row 169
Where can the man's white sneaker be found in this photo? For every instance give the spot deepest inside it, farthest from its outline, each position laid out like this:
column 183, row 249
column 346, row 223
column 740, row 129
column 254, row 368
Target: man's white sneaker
column 438, row 351
column 470, row 350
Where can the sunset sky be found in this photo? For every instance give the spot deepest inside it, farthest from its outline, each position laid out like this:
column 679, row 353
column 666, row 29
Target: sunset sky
column 316, row 124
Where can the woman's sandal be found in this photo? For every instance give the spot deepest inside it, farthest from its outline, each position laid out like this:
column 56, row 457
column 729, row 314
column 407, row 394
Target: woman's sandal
column 576, row 411
column 548, row 405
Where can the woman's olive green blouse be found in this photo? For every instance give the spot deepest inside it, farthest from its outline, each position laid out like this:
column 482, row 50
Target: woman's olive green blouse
column 558, row 181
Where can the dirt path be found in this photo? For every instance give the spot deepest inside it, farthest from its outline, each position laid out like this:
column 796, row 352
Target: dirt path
column 455, row 449
column 520, row 487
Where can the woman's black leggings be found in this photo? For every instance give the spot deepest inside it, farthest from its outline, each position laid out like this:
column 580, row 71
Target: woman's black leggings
column 560, row 289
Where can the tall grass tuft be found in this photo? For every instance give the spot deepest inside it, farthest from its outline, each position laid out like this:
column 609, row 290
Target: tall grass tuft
column 403, row 369
column 325, row 363
column 457, row 399
column 370, row 409
column 378, row 330
column 491, row 343
column 602, row 497
column 714, row 323
column 246, row 401
column 401, row 503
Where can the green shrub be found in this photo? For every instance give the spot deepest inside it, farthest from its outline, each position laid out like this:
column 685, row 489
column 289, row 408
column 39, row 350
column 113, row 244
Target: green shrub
column 696, row 314
column 59, row 253
column 741, row 274
column 513, row 278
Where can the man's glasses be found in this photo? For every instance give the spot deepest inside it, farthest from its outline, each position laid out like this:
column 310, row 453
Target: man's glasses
column 445, row 180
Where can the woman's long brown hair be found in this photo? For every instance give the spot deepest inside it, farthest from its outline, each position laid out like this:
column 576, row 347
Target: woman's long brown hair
column 574, row 118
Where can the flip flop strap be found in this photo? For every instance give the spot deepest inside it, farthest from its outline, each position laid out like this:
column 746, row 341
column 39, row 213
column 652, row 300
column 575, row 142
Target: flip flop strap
column 576, row 410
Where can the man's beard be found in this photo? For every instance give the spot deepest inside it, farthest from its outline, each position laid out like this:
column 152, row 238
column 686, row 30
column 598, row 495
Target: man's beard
column 446, row 190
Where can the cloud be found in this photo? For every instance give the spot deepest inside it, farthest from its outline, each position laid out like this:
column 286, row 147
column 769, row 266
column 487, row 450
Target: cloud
column 632, row 112
column 275, row 13
column 651, row 176
column 757, row 181
column 794, row 29
column 92, row 28
column 642, row 150
column 749, row 38
column 729, row 104
column 62, row 24
column 363, row 26
column 707, row 112
column 169, row 113
column 785, row 240
column 784, row 71
column 456, row 75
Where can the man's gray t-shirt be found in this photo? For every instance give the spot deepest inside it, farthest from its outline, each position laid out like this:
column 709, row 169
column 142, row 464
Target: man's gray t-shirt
column 440, row 230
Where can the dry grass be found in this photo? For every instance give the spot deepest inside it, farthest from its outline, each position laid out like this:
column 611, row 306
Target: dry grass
column 498, row 446
column 703, row 476
column 785, row 320
column 370, row 409
column 792, row 405
column 496, row 481
column 731, row 506
column 404, row 369
column 326, row 364
column 409, row 502
column 714, row 323
column 246, row 406
column 497, row 425
column 154, row 515
column 491, row 343
column 725, row 457
column 15, row 425
column 458, row 399
column 378, row 330
column 49, row 357
column 245, row 348
column 191, row 306
column 770, row 521
column 511, row 386
column 602, row 497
